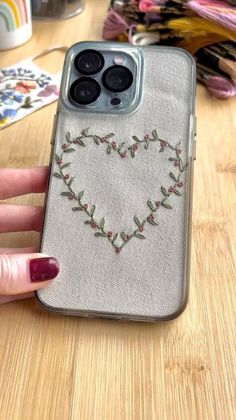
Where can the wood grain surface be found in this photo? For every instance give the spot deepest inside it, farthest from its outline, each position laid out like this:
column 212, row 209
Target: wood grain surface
column 56, row 367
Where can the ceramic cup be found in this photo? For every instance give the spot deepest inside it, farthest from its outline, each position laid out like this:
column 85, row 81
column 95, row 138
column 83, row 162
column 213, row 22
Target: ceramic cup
column 15, row 23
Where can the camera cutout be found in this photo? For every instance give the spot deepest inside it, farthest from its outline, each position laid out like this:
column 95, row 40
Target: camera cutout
column 104, row 78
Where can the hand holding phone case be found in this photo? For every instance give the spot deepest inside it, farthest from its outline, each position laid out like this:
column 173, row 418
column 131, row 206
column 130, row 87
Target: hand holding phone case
column 119, row 201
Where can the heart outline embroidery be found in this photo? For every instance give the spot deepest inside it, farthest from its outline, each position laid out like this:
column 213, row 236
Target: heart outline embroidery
column 119, row 240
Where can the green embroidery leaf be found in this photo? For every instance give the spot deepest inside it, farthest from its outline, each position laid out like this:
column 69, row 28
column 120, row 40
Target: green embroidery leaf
column 164, row 191
column 57, row 175
column 108, row 149
column 57, row 157
column 87, row 222
column 85, row 131
column 67, row 193
column 123, row 236
column 184, row 167
column 146, row 145
column 65, row 165
column 132, row 152
column 108, row 136
column 68, row 136
column 167, row 206
column 136, row 139
column 151, row 205
column 101, row 234
column 139, row 236
column 102, row 223
column 77, row 208
column 120, row 147
column 171, row 159
column 81, row 193
column 96, row 139
column 173, row 176
column 152, row 222
column 71, row 180
column 137, row 221
column 155, row 135
column 114, row 238
column 161, row 149
column 80, row 142
column 92, row 210
column 70, row 150
column 177, row 192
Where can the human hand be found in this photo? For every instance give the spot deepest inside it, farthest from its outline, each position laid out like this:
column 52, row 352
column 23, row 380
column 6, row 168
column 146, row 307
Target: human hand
column 22, row 270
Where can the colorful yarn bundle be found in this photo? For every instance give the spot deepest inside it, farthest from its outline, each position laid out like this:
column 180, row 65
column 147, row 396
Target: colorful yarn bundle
column 207, row 29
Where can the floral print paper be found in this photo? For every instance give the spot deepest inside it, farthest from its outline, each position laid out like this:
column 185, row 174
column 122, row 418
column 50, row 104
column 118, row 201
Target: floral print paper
column 24, row 88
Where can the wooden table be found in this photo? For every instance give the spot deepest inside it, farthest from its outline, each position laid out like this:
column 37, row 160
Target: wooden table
column 55, row 367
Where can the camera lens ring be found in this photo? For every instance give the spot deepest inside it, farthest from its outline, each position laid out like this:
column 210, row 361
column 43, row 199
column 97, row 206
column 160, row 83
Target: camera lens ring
column 84, row 91
column 110, row 75
column 89, row 62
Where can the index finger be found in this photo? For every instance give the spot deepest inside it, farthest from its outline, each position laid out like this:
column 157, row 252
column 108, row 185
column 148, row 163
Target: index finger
column 14, row 182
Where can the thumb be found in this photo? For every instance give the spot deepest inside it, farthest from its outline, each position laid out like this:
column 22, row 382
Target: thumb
column 21, row 273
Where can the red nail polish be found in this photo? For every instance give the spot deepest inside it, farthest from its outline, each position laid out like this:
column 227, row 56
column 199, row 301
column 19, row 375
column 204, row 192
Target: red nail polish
column 42, row 269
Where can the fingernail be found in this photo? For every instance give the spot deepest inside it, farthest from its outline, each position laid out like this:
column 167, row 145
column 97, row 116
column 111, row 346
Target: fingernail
column 42, row 269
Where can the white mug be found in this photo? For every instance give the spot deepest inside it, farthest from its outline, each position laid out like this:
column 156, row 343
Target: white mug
column 15, row 23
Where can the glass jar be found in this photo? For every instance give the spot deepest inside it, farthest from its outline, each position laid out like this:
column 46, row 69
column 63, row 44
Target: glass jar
column 56, row 9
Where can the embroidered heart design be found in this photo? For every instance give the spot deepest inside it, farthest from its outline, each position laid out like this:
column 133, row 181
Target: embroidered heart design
column 119, row 240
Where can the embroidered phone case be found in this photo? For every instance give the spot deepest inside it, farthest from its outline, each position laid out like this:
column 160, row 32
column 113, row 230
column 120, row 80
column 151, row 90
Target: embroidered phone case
column 118, row 208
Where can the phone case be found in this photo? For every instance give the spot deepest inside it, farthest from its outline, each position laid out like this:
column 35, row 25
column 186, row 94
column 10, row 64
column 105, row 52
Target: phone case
column 118, row 208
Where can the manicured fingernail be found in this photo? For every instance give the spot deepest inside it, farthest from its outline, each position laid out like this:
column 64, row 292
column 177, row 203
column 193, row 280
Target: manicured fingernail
column 42, row 269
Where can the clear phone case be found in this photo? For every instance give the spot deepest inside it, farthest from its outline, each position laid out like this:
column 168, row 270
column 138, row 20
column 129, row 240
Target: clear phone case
column 118, row 216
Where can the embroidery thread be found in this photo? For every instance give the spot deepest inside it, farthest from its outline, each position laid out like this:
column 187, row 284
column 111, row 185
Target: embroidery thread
column 120, row 239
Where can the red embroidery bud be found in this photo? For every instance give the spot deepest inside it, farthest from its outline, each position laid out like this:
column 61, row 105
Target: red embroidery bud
column 171, row 189
column 114, row 144
column 146, row 136
column 85, row 206
column 67, row 176
column 118, row 250
column 141, row 229
column 64, row 146
column 180, row 184
column 94, row 225
column 158, row 203
column 109, row 234
column 123, row 155
column 176, row 163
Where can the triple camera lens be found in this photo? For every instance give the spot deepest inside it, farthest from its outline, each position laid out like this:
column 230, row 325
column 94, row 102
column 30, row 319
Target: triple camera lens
column 117, row 78
column 89, row 62
column 86, row 90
